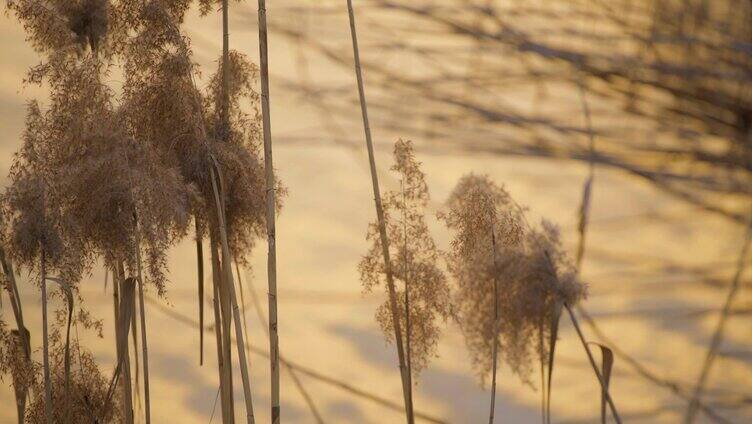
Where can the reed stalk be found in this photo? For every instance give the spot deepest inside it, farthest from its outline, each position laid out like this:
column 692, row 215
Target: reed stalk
column 15, row 299
column 65, row 287
column 144, row 345
column 225, row 104
column 408, row 352
column 223, row 364
column 495, row 330
column 124, row 313
column 601, row 379
column 406, row 389
column 45, row 341
column 552, row 338
column 136, row 353
column 226, row 315
column 216, row 180
column 200, row 272
column 270, row 213
column 20, row 390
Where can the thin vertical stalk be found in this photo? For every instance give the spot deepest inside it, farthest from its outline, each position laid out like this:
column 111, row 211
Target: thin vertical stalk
column 552, row 337
column 226, row 321
column 225, row 106
column 242, row 304
column 495, row 330
column 270, row 212
column 19, row 387
column 223, row 362
column 115, row 308
column 228, row 402
column 542, row 374
column 408, row 353
column 226, row 314
column 45, row 341
column 144, row 346
column 200, row 271
column 230, row 285
column 15, row 299
column 122, row 343
column 134, row 334
column 20, row 390
column 224, row 384
column 225, row 136
column 601, row 380
column 380, row 215
column 410, row 406
column 124, row 305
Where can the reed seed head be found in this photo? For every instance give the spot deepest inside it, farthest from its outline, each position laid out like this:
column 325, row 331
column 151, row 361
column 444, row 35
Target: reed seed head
column 494, row 248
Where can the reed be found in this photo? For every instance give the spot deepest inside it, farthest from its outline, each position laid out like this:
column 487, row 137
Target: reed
column 424, row 301
column 229, row 285
column 220, row 145
column 271, row 203
column 131, row 162
column 125, row 310
column 495, row 244
column 495, row 353
column 21, row 336
column 167, row 152
column 84, row 401
column 225, row 376
column 394, row 309
column 200, row 274
column 45, row 340
column 142, row 311
column 485, row 222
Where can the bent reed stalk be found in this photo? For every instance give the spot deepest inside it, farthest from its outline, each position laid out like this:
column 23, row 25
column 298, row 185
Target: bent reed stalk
column 229, row 283
column 406, row 389
column 591, row 359
column 142, row 310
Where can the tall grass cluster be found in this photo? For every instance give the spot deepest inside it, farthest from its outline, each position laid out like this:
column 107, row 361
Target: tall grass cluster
column 120, row 178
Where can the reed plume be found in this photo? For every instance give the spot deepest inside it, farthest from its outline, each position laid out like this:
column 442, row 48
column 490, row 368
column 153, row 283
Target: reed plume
column 119, row 178
column 424, row 299
column 35, row 231
column 511, row 278
column 213, row 142
column 85, row 399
